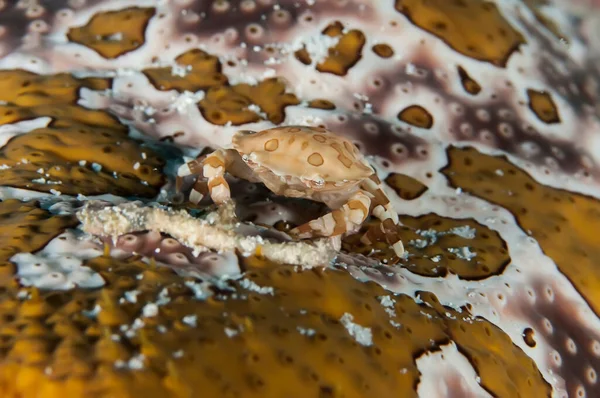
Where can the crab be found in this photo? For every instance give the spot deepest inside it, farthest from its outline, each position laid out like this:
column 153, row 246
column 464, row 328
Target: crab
column 301, row 162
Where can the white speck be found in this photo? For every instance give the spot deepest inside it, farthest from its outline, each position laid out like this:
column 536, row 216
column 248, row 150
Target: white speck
column 464, row 232
column 55, row 192
column 179, row 70
column 131, row 296
column 178, row 354
column 231, row 332
column 361, row 334
column 136, row 165
column 93, row 312
column 137, row 362
column 464, row 253
column 96, row 167
column 250, row 285
column 150, row 310
column 306, row 331
column 190, row 320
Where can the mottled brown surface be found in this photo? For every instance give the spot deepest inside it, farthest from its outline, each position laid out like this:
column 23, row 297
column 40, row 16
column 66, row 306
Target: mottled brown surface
column 562, row 222
column 288, row 343
column 25, row 227
column 114, row 33
column 406, row 187
column 474, row 28
column 224, row 104
column 202, row 71
column 75, row 134
column 435, row 247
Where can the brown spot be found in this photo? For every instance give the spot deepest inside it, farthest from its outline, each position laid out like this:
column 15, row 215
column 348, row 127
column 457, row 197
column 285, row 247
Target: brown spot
column 49, row 330
column 564, row 224
column 113, row 33
column 304, row 145
column 343, row 56
column 75, row 133
column 475, row 28
column 334, row 29
column 541, row 103
column 204, row 72
column 529, row 337
column 294, row 130
column 491, row 250
column 321, row 104
column 315, row 159
column 383, row 50
column 470, row 85
column 405, row 187
column 417, row 116
column 303, row 56
column 224, row 104
column 319, row 138
column 272, row 145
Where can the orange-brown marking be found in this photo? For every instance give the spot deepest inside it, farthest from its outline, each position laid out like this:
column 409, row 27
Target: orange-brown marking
column 215, row 182
column 358, row 205
column 340, row 222
column 346, row 161
column 214, row 161
column 349, row 147
column 319, row 138
column 304, row 145
column 272, row 145
column 294, row 130
column 315, row 159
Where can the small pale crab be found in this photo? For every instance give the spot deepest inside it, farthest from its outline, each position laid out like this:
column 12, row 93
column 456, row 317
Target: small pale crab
column 301, row 162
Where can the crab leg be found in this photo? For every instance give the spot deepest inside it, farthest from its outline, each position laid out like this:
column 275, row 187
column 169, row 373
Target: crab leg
column 346, row 219
column 383, row 210
column 213, row 168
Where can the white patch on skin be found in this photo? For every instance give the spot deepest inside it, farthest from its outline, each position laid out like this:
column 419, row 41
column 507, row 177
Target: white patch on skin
column 8, row 131
column 57, row 267
column 362, row 335
column 448, row 373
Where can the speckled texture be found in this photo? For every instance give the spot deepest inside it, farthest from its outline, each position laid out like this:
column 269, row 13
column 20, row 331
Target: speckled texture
column 481, row 117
